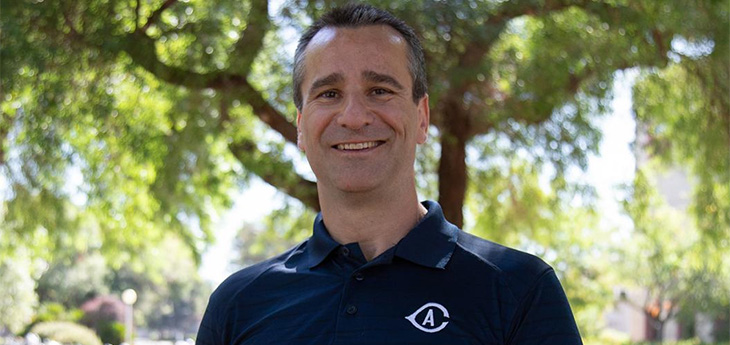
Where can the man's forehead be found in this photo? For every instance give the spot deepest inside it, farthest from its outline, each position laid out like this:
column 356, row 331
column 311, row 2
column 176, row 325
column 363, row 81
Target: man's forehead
column 329, row 34
column 332, row 49
column 323, row 36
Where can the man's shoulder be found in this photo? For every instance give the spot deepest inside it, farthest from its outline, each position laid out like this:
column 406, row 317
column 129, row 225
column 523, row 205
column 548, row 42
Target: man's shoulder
column 238, row 282
column 518, row 270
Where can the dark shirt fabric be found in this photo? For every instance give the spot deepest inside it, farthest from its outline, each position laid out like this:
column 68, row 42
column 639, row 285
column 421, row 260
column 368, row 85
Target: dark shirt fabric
column 438, row 285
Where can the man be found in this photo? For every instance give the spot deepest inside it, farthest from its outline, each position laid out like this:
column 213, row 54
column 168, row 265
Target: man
column 380, row 267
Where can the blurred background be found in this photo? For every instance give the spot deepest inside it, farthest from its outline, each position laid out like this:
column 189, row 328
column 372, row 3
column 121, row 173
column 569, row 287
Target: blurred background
column 147, row 151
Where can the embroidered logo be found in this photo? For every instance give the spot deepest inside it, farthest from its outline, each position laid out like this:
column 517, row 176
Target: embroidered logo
column 429, row 318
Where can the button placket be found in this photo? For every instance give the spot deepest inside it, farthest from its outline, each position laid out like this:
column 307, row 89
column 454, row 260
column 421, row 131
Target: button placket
column 352, row 298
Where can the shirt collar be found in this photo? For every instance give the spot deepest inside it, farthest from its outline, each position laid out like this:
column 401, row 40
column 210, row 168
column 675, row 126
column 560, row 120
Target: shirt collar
column 430, row 243
column 321, row 244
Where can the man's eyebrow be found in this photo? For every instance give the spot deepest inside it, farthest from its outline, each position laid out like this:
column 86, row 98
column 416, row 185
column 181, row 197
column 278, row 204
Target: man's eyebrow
column 376, row 77
column 331, row 79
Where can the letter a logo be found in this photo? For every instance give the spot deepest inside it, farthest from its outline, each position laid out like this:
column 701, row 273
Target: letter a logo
column 428, row 319
column 429, row 324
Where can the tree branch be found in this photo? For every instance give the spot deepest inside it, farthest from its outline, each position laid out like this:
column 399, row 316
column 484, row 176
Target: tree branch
column 463, row 77
column 140, row 48
column 73, row 34
column 268, row 114
column 5, row 126
column 252, row 38
column 155, row 16
column 513, row 9
column 136, row 14
column 483, row 40
column 520, row 106
column 277, row 173
column 280, row 174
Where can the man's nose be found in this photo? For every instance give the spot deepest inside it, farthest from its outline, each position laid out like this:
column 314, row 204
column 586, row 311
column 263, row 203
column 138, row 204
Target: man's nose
column 355, row 115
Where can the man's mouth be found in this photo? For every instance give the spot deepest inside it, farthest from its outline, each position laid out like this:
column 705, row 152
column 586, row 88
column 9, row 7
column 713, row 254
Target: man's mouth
column 358, row 146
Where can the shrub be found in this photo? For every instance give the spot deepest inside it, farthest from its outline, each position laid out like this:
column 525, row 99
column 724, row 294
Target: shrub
column 104, row 314
column 52, row 311
column 57, row 312
column 102, row 309
column 66, row 333
column 111, row 332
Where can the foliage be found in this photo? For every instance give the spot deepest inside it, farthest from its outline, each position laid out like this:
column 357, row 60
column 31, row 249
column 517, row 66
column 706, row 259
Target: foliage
column 74, row 280
column 571, row 240
column 676, row 275
column 66, row 333
column 180, row 308
column 17, row 297
column 51, row 311
column 105, row 314
column 607, row 337
column 168, row 100
column 685, row 110
column 616, row 338
column 102, row 309
column 123, row 123
column 111, row 332
column 171, row 294
column 680, row 342
column 282, row 229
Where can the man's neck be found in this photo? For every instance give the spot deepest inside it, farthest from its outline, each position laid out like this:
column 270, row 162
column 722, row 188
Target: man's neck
column 375, row 223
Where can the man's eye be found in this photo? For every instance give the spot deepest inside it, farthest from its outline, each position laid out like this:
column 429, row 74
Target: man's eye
column 380, row 91
column 328, row 94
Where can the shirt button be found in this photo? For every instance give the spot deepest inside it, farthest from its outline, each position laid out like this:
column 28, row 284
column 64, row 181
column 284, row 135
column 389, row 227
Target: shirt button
column 345, row 251
column 351, row 309
column 359, row 276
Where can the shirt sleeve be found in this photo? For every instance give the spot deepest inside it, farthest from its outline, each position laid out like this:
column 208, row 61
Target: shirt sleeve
column 208, row 333
column 544, row 316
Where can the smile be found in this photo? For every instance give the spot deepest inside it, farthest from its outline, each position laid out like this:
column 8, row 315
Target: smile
column 358, row 146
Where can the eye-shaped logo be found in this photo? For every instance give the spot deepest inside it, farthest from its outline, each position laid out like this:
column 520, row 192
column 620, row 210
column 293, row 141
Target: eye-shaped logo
column 430, row 318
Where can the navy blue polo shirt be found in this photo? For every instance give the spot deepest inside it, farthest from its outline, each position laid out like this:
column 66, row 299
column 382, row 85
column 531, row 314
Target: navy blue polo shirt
column 438, row 285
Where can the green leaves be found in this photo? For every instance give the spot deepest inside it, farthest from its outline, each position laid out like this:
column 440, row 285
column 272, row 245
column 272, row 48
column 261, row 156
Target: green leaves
column 668, row 258
column 124, row 121
column 17, row 299
column 686, row 115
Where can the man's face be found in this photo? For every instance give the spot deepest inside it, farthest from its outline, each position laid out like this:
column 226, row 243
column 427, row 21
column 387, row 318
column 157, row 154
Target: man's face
column 358, row 125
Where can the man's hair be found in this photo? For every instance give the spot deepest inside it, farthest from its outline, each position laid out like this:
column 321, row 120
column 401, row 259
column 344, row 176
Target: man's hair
column 354, row 16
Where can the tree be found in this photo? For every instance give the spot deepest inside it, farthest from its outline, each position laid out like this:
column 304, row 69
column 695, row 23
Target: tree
column 17, row 299
column 74, row 280
column 164, row 106
column 667, row 259
column 171, row 294
column 105, row 315
column 524, row 213
column 685, row 110
column 281, row 230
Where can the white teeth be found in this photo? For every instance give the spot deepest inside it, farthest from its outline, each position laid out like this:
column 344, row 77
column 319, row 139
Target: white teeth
column 357, row 146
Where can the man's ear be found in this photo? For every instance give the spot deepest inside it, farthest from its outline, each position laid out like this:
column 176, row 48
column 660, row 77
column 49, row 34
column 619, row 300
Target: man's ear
column 424, row 118
column 300, row 141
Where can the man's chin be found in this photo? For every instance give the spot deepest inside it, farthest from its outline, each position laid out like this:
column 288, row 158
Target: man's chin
column 357, row 188
column 358, row 185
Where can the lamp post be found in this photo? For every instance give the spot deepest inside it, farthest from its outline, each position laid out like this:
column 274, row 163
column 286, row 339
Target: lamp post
column 129, row 296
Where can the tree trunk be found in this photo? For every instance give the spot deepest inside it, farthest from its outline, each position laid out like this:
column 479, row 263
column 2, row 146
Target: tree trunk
column 452, row 165
column 656, row 327
column 659, row 328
